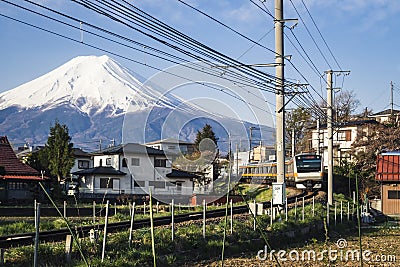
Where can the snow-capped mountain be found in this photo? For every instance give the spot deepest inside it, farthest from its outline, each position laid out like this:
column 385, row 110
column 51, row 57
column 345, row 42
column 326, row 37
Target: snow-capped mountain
column 92, row 95
column 89, row 83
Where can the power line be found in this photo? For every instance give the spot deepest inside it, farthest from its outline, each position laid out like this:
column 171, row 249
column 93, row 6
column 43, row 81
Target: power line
column 153, row 25
column 322, row 37
column 109, row 52
column 309, row 33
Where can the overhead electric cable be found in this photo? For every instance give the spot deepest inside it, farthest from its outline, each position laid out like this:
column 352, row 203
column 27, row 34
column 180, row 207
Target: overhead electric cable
column 311, row 36
column 132, row 60
column 322, row 37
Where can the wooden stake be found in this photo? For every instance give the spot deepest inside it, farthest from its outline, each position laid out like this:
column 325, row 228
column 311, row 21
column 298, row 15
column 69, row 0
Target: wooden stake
column 132, row 221
column 103, row 252
column 204, row 218
column 172, row 220
column 37, row 227
column 68, row 248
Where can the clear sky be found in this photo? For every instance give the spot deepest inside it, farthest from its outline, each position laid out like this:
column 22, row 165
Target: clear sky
column 363, row 36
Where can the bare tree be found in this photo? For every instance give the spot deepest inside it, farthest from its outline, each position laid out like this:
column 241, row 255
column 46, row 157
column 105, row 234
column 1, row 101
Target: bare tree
column 345, row 105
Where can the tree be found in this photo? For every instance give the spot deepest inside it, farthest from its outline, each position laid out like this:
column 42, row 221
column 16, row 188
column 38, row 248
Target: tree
column 371, row 142
column 206, row 133
column 297, row 121
column 345, row 105
column 58, row 151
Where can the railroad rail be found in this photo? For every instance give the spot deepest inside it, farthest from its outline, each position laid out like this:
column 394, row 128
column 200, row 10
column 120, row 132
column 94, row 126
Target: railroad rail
column 83, row 231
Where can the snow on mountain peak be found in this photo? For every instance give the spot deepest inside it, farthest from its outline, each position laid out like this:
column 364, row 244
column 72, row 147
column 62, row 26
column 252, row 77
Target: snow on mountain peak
column 89, row 83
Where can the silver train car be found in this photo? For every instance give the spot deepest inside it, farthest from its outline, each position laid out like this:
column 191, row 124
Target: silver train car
column 303, row 171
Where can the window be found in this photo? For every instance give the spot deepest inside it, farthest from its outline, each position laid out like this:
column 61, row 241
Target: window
column 393, row 194
column 101, row 162
column 108, row 161
column 106, row 183
column 157, row 184
column 83, row 164
column 171, row 147
column 124, row 164
column 135, row 161
column 160, row 163
column 17, row 185
column 344, row 135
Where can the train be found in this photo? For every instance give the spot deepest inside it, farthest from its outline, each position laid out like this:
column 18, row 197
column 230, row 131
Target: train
column 303, row 171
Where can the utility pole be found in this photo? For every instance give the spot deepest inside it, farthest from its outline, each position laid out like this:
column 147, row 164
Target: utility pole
column 293, row 143
column 319, row 137
column 250, row 141
column 391, row 98
column 329, row 112
column 330, row 135
column 280, row 96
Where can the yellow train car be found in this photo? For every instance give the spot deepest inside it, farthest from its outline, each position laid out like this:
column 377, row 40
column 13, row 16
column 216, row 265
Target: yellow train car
column 304, row 171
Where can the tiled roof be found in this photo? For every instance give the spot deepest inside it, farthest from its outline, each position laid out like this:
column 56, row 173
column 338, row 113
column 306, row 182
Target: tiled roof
column 348, row 123
column 129, row 148
column 181, row 174
column 170, row 141
column 100, row 170
column 385, row 112
column 12, row 167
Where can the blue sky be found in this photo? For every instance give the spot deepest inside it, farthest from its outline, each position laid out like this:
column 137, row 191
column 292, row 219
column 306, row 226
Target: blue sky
column 362, row 34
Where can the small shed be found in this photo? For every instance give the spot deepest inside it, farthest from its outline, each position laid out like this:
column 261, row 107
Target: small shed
column 388, row 174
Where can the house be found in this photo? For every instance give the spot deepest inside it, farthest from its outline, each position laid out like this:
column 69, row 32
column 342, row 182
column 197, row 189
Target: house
column 18, row 181
column 173, row 146
column 132, row 170
column 344, row 135
column 82, row 161
column 385, row 115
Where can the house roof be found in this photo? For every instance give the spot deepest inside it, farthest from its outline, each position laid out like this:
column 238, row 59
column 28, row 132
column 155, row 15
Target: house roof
column 129, row 148
column 385, row 112
column 181, row 174
column 100, row 170
column 12, row 167
column 78, row 152
column 170, row 141
column 349, row 123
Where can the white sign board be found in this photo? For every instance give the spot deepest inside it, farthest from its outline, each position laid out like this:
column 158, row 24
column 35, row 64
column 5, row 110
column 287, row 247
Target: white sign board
column 278, row 193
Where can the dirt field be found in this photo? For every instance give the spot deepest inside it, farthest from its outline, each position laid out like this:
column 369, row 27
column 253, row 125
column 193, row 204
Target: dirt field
column 381, row 247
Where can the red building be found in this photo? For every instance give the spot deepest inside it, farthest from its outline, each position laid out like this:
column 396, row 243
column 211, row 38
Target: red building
column 388, row 174
column 18, row 181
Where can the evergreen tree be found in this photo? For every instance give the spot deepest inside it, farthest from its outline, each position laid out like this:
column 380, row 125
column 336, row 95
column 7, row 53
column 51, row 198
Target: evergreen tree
column 58, row 151
column 206, row 132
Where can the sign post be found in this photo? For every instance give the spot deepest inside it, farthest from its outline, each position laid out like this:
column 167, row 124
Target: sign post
column 278, row 193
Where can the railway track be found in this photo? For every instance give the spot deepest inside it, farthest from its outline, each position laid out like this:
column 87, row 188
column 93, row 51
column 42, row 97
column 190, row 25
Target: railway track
column 83, row 231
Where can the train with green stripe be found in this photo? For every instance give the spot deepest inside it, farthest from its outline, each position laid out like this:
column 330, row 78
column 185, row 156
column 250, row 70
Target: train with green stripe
column 303, row 171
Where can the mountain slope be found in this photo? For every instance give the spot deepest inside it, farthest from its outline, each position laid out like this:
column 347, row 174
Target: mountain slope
column 93, row 96
column 89, row 83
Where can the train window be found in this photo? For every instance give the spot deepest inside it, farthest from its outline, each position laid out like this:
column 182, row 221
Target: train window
column 308, row 163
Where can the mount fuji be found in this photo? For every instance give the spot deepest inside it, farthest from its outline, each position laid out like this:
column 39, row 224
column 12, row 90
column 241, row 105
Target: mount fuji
column 92, row 96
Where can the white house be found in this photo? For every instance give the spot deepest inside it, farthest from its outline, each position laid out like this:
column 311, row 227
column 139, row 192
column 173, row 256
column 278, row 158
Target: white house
column 173, row 146
column 133, row 170
column 384, row 116
column 344, row 136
